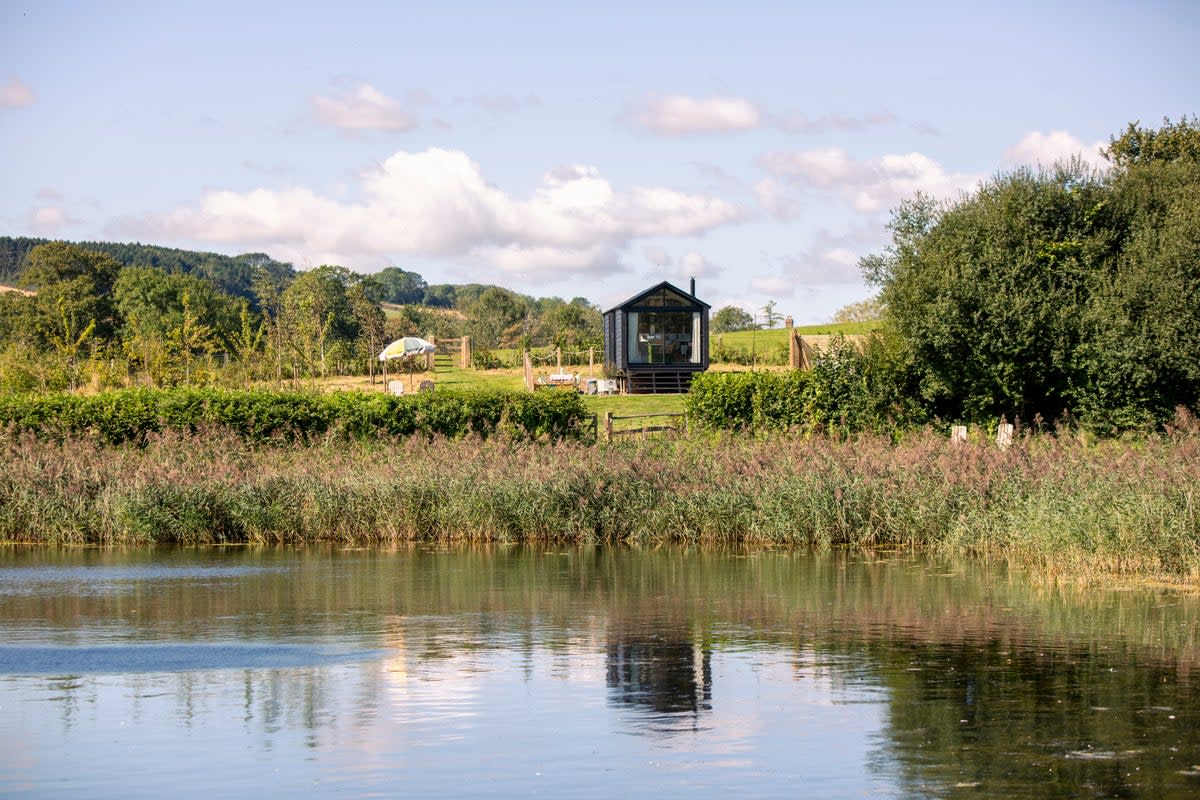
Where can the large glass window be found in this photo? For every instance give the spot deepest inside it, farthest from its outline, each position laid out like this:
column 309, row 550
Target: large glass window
column 664, row 337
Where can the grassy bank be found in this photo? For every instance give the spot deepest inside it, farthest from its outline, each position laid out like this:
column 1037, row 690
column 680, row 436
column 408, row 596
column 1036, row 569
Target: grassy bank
column 1068, row 508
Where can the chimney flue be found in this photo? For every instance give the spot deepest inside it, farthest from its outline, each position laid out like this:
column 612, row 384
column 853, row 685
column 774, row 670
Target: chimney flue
column 693, row 287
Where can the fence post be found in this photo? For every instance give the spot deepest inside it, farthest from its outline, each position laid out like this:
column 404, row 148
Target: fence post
column 1004, row 434
column 558, row 359
column 528, row 372
column 608, row 426
column 466, row 352
column 958, row 434
column 591, row 362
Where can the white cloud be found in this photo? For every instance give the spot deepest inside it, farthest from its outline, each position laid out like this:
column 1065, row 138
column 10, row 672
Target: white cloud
column 678, row 115
column 656, row 255
column 869, row 185
column 1048, row 148
column 15, row 94
column 438, row 203
column 798, row 122
column 777, row 199
column 694, row 265
column 49, row 220
column 363, row 108
column 773, row 286
column 830, row 260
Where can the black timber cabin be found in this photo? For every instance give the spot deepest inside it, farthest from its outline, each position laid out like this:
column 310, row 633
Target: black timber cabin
column 657, row 340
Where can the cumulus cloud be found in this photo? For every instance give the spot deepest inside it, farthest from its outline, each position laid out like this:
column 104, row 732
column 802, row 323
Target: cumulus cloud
column 363, row 108
column 773, row 286
column 438, row 203
column 777, row 198
column 50, row 220
column 830, row 260
column 15, row 94
column 656, row 255
column 1047, row 148
column 694, row 265
column 869, row 185
column 679, row 115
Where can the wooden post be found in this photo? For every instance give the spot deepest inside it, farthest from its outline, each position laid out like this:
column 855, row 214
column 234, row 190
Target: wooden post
column 528, row 372
column 591, row 362
column 558, row 359
column 466, row 352
column 1004, row 435
column 608, row 426
column 958, row 434
column 793, row 349
column 429, row 357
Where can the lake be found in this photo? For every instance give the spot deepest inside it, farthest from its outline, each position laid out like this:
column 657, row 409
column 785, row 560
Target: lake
column 510, row 671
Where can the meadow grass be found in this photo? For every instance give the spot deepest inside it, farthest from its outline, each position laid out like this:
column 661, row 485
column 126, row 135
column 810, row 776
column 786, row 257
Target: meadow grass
column 1068, row 508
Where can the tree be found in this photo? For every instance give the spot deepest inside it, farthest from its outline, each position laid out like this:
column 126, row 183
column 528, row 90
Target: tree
column 869, row 310
column 71, row 283
column 494, row 315
column 770, row 316
column 318, row 310
column 729, row 319
column 394, row 285
column 987, row 292
column 1174, row 141
column 1056, row 290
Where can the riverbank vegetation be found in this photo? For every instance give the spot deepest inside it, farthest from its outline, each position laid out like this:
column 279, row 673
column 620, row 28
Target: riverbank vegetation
column 1053, row 502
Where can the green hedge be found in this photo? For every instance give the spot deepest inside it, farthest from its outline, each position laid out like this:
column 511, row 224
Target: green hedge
column 128, row 415
column 848, row 390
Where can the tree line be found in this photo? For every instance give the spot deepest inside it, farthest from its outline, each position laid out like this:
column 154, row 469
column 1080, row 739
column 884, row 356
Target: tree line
column 113, row 315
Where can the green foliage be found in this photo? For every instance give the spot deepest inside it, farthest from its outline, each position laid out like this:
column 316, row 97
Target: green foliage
column 730, row 318
column 1174, row 141
column 394, row 285
column 864, row 311
column 1056, row 291
column 130, row 415
column 847, row 391
column 233, row 274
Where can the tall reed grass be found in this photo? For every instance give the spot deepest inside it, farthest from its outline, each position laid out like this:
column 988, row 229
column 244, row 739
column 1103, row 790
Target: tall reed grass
column 1120, row 507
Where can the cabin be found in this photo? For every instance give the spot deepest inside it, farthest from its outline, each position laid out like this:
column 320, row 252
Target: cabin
column 657, row 340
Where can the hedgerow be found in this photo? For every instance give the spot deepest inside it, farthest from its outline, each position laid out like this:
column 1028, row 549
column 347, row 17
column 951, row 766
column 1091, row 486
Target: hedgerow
column 129, row 415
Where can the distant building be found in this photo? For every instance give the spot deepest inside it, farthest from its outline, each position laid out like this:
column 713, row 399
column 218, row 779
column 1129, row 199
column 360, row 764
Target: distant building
column 657, row 340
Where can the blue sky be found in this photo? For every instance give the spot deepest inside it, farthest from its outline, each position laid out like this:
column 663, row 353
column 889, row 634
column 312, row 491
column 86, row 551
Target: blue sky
column 557, row 148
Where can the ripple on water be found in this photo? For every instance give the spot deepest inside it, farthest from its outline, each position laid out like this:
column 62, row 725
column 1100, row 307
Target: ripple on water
column 141, row 658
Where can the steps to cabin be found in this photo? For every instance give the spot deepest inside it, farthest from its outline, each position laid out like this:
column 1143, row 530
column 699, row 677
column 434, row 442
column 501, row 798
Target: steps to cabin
column 659, row 382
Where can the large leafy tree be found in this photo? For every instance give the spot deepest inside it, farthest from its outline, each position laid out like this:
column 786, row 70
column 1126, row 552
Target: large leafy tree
column 74, row 290
column 1056, row 290
column 731, row 318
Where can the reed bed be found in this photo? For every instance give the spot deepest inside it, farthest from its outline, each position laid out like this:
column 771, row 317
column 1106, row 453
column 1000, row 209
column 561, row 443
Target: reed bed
column 1050, row 501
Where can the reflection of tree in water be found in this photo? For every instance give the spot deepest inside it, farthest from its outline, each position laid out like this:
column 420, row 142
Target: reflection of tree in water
column 650, row 670
column 1069, row 720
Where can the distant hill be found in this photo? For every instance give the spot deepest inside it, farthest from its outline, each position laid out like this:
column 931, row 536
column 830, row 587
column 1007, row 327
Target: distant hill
column 234, row 274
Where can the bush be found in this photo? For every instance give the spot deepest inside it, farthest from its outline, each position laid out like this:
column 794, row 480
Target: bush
column 129, row 415
column 847, row 391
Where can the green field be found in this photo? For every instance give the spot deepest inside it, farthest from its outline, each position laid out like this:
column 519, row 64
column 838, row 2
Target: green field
column 776, row 337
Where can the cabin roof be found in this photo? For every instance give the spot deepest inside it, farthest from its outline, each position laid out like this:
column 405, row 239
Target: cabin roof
column 633, row 301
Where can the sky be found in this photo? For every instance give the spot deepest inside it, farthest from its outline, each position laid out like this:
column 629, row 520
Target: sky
column 561, row 148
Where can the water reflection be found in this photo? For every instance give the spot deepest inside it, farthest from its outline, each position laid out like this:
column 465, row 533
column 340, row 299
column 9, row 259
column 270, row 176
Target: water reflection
column 667, row 677
column 524, row 671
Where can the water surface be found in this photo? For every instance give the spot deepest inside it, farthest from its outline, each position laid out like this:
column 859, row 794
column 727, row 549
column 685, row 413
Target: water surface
column 510, row 671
